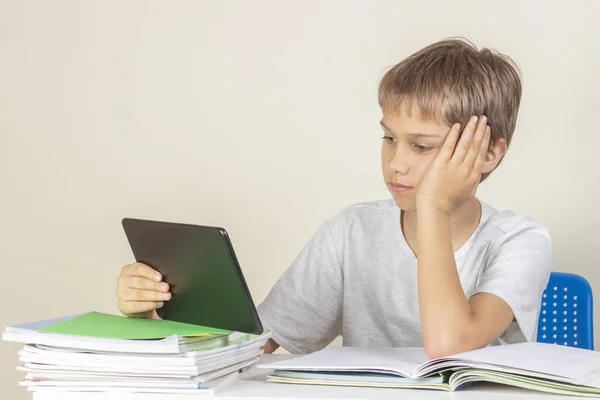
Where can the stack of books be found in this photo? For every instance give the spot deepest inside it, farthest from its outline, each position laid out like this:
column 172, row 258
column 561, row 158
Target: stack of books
column 538, row 366
column 107, row 353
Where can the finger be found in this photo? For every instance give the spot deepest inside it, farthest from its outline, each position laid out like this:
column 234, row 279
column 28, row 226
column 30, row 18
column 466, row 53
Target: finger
column 139, row 269
column 136, row 307
column 485, row 145
column 449, row 143
column 465, row 140
column 135, row 282
column 476, row 141
column 144, row 295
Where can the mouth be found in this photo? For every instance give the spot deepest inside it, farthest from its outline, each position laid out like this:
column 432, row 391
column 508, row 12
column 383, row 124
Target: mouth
column 399, row 188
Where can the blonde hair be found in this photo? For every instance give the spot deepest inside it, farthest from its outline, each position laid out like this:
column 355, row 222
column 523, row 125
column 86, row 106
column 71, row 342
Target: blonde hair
column 451, row 80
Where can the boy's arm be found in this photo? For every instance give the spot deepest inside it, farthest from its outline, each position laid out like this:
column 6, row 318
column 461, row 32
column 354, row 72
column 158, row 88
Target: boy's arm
column 450, row 323
column 310, row 290
column 270, row 346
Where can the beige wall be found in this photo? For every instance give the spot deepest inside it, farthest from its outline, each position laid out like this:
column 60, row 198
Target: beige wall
column 257, row 116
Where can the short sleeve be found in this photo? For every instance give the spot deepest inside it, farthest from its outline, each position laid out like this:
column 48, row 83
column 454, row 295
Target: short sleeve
column 518, row 272
column 304, row 308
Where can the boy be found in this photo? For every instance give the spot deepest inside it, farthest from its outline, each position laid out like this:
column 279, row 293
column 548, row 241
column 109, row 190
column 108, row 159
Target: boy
column 433, row 267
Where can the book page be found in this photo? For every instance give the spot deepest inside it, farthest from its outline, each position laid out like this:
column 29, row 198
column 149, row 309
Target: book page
column 577, row 365
column 397, row 361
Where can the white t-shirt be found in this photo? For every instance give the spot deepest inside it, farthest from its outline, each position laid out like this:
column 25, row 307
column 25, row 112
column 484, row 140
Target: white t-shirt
column 357, row 277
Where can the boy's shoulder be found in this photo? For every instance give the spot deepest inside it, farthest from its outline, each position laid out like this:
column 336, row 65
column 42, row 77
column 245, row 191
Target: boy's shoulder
column 363, row 220
column 366, row 211
column 497, row 227
column 506, row 226
column 507, row 221
column 504, row 221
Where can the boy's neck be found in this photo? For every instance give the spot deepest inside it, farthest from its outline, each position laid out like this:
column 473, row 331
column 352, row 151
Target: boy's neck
column 463, row 222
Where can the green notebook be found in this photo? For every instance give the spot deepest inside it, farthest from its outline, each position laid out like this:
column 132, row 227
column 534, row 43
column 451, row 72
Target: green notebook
column 100, row 325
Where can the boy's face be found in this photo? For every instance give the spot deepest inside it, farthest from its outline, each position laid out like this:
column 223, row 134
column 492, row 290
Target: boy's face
column 409, row 146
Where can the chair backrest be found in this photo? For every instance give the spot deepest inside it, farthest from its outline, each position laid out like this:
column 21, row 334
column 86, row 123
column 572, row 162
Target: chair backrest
column 566, row 315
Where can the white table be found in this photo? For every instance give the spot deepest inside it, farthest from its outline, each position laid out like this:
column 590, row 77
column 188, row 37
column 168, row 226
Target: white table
column 252, row 385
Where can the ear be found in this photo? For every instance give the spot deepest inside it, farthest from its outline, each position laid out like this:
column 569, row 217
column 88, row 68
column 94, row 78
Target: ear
column 494, row 155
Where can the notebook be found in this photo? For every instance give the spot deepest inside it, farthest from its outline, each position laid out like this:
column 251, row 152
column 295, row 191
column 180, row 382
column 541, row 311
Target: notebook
column 105, row 332
column 96, row 352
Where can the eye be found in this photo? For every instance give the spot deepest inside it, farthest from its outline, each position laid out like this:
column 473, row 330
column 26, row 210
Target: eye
column 390, row 139
column 422, row 148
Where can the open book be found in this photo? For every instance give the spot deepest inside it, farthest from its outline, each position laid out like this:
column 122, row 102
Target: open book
column 538, row 366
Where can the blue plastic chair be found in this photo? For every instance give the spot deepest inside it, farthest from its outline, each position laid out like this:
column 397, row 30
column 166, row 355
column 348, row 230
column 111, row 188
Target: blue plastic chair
column 566, row 315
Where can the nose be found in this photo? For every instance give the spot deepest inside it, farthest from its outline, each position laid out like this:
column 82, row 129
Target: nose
column 398, row 161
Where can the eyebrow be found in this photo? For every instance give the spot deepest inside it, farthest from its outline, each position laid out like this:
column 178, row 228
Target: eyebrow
column 414, row 134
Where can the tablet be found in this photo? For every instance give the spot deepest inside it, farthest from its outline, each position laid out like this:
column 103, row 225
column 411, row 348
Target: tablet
column 198, row 262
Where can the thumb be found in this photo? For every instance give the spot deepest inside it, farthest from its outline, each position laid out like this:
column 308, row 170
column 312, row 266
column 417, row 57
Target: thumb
column 154, row 315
